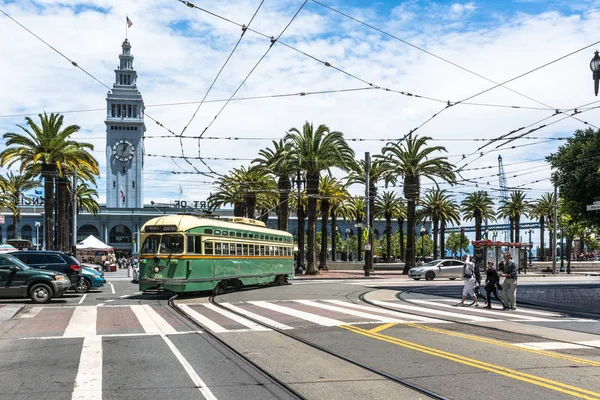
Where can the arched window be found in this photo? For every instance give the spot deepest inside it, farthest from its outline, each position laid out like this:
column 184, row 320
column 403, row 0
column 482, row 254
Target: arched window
column 26, row 232
column 86, row 230
column 9, row 233
column 119, row 234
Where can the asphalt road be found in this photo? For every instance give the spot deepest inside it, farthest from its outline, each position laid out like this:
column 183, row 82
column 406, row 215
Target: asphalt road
column 119, row 344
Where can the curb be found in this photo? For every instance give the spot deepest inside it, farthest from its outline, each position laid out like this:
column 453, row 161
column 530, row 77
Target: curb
column 9, row 311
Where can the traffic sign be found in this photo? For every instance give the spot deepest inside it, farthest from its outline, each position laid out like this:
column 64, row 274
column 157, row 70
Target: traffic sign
column 593, row 207
column 367, row 246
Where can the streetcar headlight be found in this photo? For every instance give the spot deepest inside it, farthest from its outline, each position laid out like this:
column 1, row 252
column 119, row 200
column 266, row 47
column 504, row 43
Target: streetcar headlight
column 156, row 269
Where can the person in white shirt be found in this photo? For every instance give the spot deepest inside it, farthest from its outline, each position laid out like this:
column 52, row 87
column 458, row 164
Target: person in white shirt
column 469, row 282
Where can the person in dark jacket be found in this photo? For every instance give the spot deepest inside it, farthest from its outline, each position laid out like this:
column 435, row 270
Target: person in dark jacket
column 492, row 281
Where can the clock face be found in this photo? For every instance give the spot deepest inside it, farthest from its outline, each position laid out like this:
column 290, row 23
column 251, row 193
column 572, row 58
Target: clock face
column 123, row 150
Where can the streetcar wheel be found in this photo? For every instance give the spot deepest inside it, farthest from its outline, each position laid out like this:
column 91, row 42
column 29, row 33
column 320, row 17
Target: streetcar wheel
column 429, row 276
column 219, row 289
column 279, row 280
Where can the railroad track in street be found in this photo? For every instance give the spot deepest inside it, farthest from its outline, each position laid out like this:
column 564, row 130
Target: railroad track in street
column 385, row 375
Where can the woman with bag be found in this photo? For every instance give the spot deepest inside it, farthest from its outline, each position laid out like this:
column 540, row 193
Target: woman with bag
column 469, row 282
column 492, row 283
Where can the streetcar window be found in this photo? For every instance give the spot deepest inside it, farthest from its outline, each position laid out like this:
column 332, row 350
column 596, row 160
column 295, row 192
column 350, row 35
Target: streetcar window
column 208, row 248
column 171, row 244
column 238, row 249
column 151, row 245
column 217, row 232
column 245, row 249
column 232, row 249
column 251, row 235
column 217, row 249
column 225, row 249
column 262, row 250
column 251, row 249
column 276, row 250
column 208, row 231
column 238, row 234
column 224, row 233
column 244, row 235
column 231, row 233
column 194, row 244
column 190, row 244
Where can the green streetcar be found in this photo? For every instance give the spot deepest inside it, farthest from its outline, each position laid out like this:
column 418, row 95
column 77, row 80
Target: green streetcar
column 188, row 253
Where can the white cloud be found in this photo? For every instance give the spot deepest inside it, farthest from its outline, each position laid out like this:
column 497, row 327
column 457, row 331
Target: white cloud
column 178, row 66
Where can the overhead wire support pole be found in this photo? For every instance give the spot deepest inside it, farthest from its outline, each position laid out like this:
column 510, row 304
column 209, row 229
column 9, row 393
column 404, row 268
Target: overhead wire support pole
column 368, row 245
column 554, row 226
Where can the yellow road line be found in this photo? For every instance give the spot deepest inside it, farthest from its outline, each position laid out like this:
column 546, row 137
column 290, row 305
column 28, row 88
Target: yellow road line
column 380, row 328
column 559, row 356
column 496, row 369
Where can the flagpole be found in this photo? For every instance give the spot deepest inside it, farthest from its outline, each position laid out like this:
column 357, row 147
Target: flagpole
column 126, row 25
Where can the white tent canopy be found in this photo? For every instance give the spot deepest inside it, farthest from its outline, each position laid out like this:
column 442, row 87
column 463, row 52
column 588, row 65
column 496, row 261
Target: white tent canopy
column 91, row 243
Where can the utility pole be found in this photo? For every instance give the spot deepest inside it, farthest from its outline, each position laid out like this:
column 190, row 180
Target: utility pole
column 368, row 245
column 74, row 230
column 555, row 224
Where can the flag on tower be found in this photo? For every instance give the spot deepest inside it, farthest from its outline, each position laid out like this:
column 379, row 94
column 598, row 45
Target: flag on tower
column 122, row 193
column 129, row 23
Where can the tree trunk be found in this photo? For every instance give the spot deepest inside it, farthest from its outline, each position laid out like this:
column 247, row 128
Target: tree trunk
column 401, row 237
column 48, row 171
column 517, row 230
column 512, row 229
column 477, row 226
column 301, row 218
column 569, row 250
column 312, row 184
column 239, row 210
column 283, row 208
column 442, row 239
column 324, row 222
column 410, row 242
column 436, row 223
column 388, row 238
column 333, row 235
column 542, row 252
column 250, row 200
column 360, row 245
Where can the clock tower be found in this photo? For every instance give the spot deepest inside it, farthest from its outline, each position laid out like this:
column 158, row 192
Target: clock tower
column 124, row 137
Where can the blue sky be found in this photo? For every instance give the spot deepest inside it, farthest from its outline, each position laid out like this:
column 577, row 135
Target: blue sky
column 178, row 52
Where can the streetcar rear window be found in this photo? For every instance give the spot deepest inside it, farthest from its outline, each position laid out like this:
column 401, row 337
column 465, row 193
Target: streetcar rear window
column 151, row 245
column 171, row 244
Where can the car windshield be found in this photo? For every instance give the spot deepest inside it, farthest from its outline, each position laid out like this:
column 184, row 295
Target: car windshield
column 432, row 263
column 14, row 260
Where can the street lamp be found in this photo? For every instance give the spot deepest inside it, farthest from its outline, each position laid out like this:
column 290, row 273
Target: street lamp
column 595, row 67
column 487, row 234
column 300, row 179
column 37, row 235
column 423, row 233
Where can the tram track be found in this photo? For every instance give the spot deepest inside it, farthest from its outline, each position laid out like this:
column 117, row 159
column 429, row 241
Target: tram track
column 276, row 381
column 315, row 346
column 462, row 323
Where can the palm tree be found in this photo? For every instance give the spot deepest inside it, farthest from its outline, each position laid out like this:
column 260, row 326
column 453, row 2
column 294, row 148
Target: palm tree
column 42, row 149
column 86, row 199
column 451, row 214
column 314, row 151
column 400, row 215
column 266, row 201
column 353, row 209
column 277, row 161
column 512, row 209
column 478, row 206
column 14, row 187
column 334, row 212
column 439, row 207
column 386, row 206
column 414, row 160
column 330, row 189
column 543, row 209
column 228, row 192
column 358, row 175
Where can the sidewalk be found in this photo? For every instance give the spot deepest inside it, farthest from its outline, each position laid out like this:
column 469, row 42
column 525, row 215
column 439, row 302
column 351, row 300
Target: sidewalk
column 353, row 274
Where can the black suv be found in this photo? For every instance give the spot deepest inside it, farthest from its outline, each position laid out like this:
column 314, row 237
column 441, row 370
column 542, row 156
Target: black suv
column 53, row 261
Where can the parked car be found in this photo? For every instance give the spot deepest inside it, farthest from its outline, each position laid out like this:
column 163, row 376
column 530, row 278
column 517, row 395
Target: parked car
column 451, row 269
column 55, row 261
column 19, row 280
column 91, row 279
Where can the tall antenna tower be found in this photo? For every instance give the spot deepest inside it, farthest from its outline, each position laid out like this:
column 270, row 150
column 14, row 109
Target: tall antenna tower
column 503, row 190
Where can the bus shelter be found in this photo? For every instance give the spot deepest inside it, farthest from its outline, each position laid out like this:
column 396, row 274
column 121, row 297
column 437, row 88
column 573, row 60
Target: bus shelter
column 490, row 250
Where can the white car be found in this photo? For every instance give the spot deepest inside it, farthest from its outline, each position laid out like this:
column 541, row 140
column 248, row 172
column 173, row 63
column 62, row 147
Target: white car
column 451, row 269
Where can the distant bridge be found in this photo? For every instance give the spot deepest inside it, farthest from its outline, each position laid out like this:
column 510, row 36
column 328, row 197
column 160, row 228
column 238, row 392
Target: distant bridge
column 497, row 227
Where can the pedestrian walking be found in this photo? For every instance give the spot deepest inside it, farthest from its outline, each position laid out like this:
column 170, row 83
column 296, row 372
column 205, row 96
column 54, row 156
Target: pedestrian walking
column 509, row 286
column 469, row 282
column 492, row 281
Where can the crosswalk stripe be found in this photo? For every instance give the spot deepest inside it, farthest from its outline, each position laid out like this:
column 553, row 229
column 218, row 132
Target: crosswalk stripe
column 151, row 321
column 478, row 310
column 201, row 319
column 88, row 382
column 368, row 316
column 433, row 311
column 257, row 317
column 521, row 310
column 82, row 322
column 413, row 318
column 240, row 320
column 317, row 319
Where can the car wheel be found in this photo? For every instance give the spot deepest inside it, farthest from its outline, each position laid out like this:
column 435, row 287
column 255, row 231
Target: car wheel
column 83, row 286
column 40, row 293
column 429, row 276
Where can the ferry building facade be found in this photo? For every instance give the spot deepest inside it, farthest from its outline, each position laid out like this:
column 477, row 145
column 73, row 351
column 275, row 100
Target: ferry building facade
column 121, row 218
